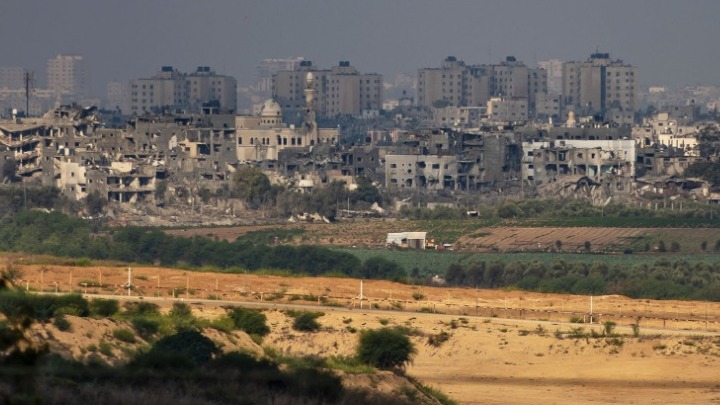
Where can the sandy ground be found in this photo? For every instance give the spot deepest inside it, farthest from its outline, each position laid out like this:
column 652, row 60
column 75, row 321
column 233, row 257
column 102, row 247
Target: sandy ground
column 487, row 359
column 491, row 361
column 344, row 292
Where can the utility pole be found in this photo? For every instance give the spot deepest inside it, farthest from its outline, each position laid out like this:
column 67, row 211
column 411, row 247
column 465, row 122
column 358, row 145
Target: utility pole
column 591, row 309
column 361, row 294
column 129, row 282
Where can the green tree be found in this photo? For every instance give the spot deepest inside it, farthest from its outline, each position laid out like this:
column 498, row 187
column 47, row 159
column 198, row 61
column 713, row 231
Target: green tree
column 252, row 185
column 95, row 203
column 250, row 321
column 385, row 348
column 182, row 351
column 104, row 308
column 365, row 191
column 455, row 274
column 182, row 316
column 8, row 170
column 381, row 268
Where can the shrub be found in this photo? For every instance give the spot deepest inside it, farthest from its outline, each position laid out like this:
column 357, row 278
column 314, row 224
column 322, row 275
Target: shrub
column 191, row 345
column 224, row 324
column 439, row 339
column 62, row 323
column 609, row 327
column 417, row 296
column 181, row 316
column 250, row 321
column 41, row 307
column 104, row 308
column 385, row 348
column 106, row 349
column 141, row 308
column 307, row 322
column 146, row 327
column 124, row 335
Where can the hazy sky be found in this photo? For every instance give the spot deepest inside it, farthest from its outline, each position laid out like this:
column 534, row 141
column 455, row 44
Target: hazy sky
column 671, row 42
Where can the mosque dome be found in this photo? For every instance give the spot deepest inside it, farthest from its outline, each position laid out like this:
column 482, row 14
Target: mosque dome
column 271, row 109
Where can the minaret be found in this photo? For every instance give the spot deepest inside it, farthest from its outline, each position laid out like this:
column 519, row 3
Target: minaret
column 310, row 124
column 571, row 120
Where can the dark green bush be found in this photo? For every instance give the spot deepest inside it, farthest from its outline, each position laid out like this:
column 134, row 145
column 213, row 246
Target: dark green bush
column 141, row 308
column 62, row 323
column 191, row 345
column 307, row 322
column 43, row 307
column 250, row 321
column 385, row 348
column 146, row 327
column 182, row 317
column 124, row 335
column 103, row 308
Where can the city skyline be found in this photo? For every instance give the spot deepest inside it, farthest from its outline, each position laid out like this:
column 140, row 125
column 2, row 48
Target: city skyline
column 126, row 40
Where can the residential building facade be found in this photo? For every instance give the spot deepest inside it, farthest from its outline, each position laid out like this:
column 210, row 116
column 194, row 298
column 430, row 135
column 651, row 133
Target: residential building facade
column 341, row 90
column 173, row 91
column 460, row 85
column 67, row 76
column 599, row 85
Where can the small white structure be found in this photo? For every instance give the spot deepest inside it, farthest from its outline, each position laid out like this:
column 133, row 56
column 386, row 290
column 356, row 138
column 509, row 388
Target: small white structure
column 416, row 240
column 410, row 240
column 397, row 239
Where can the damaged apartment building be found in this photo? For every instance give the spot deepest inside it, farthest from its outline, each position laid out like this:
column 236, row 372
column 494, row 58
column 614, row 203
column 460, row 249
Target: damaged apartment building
column 580, row 156
column 70, row 149
column 454, row 161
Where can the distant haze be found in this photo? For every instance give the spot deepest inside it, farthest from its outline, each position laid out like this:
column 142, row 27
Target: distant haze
column 671, row 42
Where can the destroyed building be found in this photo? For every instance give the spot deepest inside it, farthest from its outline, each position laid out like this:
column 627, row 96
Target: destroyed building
column 71, row 149
column 544, row 161
column 454, row 161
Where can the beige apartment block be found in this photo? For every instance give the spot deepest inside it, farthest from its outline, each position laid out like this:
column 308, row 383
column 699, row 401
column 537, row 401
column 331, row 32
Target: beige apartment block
column 598, row 85
column 341, row 90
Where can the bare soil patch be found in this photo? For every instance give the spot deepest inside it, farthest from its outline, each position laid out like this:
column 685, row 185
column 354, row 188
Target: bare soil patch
column 486, row 359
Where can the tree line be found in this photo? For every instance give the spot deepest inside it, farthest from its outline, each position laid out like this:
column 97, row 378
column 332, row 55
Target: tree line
column 59, row 235
column 663, row 279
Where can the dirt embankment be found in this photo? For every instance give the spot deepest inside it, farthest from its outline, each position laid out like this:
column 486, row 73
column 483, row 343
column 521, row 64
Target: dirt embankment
column 485, row 359
column 477, row 360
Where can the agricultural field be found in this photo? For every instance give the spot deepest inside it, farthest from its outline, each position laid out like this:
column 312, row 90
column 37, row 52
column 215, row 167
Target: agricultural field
column 478, row 235
column 587, row 239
